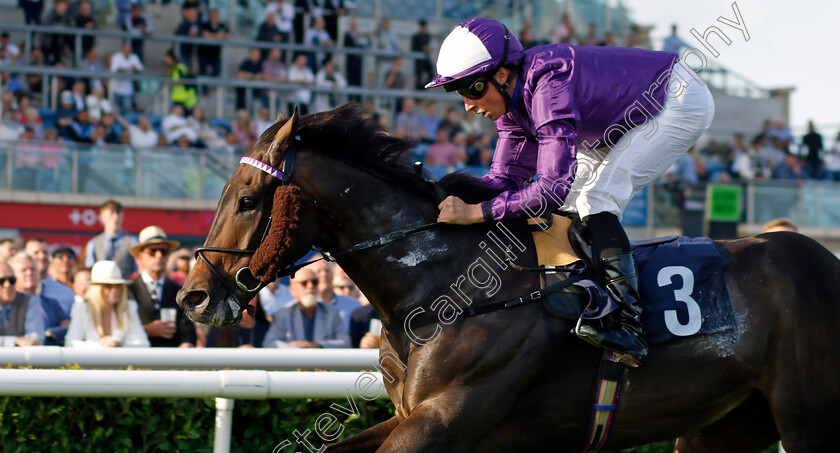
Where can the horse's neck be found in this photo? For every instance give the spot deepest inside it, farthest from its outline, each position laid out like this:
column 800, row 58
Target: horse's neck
column 448, row 262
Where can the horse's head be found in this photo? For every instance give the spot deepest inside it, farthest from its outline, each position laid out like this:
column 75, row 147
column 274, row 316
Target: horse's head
column 260, row 226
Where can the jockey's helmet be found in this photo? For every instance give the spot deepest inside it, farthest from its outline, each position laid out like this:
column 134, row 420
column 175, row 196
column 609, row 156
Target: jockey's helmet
column 474, row 48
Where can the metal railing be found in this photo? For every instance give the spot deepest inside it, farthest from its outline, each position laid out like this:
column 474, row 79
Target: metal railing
column 278, row 94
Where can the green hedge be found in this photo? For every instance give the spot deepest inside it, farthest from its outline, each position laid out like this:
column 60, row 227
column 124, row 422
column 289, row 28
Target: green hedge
column 29, row 424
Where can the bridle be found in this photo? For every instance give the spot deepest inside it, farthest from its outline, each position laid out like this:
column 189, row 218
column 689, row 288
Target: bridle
column 284, row 175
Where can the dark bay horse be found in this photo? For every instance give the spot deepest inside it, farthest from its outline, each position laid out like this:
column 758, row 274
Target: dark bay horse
column 515, row 380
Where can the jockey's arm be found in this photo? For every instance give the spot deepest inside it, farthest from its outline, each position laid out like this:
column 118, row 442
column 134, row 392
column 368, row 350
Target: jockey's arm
column 553, row 159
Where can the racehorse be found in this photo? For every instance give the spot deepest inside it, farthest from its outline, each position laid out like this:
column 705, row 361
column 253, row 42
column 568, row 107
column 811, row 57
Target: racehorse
column 512, row 379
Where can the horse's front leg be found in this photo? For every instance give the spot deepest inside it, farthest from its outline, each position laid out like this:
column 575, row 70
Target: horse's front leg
column 368, row 440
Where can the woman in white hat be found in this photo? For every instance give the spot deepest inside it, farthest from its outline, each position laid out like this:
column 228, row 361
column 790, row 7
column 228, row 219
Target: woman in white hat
column 106, row 318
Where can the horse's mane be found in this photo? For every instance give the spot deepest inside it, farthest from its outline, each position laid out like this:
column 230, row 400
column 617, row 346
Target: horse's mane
column 348, row 135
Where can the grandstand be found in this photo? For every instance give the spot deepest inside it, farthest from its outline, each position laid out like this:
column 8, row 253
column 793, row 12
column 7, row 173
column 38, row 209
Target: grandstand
column 170, row 179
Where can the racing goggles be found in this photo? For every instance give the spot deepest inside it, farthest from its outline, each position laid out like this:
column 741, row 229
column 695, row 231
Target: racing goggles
column 476, row 89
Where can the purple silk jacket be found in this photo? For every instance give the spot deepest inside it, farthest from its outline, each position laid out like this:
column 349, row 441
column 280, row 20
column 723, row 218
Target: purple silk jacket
column 569, row 96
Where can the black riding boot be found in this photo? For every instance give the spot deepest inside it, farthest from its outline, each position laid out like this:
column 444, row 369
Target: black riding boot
column 626, row 338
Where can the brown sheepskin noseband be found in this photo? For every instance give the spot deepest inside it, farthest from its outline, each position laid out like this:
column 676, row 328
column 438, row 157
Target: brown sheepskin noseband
column 270, row 257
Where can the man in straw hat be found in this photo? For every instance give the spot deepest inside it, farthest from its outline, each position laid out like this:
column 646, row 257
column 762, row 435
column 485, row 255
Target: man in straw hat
column 165, row 323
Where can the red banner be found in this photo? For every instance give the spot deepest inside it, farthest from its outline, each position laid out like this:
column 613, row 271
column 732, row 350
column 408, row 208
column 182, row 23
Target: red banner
column 76, row 224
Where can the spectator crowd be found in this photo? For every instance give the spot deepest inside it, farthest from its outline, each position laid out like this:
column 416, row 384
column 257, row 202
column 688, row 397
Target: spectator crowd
column 122, row 291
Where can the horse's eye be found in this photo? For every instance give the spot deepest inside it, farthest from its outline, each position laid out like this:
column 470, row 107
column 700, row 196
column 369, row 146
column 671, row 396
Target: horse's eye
column 246, row 204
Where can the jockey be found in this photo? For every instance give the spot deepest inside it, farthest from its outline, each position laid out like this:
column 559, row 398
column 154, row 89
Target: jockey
column 594, row 124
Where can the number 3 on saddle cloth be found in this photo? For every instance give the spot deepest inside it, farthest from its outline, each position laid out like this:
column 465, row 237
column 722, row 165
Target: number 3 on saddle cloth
column 681, row 282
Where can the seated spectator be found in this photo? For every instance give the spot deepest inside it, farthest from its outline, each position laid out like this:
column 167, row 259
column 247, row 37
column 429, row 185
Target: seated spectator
column 308, row 322
column 124, row 62
column 780, row 224
column 301, row 74
column 96, row 104
column 790, row 169
column 65, row 113
column 328, row 77
column 394, row 77
column 81, row 129
column 325, row 271
column 141, row 136
column 21, row 315
column 244, row 130
column 274, row 296
column 362, row 333
column 451, row 122
column 8, row 249
column 81, row 284
column 189, row 27
column 55, row 317
column 107, row 318
column 78, row 89
column 442, row 151
column 592, row 39
column 175, row 126
column 250, row 69
column 63, row 265
column 209, row 56
column 482, row 152
column 344, row 286
column 179, row 265
column 747, row 165
column 430, row 121
column 316, row 36
column 208, row 136
column 84, row 19
column 411, row 121
column 12, row 51
column 109, row 133
column 273, row 68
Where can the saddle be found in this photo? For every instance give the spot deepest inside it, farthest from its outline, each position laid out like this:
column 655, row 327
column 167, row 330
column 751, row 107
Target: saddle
column 562, row 245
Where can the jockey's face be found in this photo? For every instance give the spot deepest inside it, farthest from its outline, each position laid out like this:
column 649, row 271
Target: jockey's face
column 492, row 104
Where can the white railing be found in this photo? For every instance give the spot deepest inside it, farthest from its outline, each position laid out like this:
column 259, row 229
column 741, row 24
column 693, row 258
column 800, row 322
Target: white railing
column 193, row 358
column 224, row 385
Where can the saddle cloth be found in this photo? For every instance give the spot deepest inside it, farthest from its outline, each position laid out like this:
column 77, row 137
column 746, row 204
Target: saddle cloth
column 681, row 282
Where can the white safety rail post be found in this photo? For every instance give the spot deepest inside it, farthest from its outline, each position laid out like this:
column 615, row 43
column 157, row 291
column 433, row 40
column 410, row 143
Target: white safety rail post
column 224, row 425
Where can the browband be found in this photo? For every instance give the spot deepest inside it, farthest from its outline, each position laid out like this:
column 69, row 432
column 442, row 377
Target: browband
column 262, row 166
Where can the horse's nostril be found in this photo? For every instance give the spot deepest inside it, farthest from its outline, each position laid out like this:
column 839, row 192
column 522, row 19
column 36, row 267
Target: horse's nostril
column 195, row 297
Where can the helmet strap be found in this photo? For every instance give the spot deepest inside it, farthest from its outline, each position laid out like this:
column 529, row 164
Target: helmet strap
column 503, row 87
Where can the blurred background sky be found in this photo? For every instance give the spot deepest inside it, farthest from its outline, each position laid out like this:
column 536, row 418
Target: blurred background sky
column 791, row 44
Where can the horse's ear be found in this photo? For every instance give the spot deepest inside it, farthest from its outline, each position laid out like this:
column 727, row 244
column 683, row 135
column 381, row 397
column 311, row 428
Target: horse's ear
column 283, row 138
column 280, row 117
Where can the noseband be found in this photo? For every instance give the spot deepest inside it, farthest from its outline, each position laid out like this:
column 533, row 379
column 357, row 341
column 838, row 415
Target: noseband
column 284, row 175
